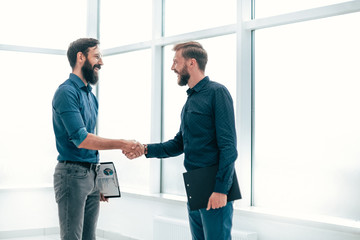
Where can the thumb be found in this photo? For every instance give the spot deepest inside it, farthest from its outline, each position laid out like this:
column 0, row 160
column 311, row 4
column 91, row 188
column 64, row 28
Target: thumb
column 208, row 205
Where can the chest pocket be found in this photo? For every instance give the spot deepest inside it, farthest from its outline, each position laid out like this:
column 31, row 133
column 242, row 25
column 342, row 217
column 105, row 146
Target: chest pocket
column 198, row 121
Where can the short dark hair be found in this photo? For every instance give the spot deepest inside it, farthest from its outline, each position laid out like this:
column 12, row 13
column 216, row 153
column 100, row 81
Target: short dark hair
column 80, row 45
column 193, row 50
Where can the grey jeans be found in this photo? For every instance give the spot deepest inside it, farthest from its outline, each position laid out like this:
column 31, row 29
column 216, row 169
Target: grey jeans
column 78, row 201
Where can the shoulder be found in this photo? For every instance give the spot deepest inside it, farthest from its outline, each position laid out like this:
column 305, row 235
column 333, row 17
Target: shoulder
column 217, row 88
column 66, row 88
column 65, row 92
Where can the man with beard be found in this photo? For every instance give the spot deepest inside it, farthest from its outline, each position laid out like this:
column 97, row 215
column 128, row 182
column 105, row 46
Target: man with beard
column 207, row 137
column 75, row 110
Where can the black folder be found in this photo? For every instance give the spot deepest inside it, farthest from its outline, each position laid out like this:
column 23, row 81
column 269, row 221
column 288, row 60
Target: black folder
column 200, row 184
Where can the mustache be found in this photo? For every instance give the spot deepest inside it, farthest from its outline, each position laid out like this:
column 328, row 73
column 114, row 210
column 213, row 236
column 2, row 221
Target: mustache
column 97, row 66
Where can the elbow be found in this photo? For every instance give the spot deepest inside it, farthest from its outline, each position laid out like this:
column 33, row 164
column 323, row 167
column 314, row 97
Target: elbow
column 81, row 145
column 80, row 138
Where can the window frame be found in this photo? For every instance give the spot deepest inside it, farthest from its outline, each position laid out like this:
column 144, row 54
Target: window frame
column 244, row 28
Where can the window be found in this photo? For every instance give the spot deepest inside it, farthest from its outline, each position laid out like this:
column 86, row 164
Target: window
column 204, row 14
column 305, row 132
column 28, row 152
column 42, row 23
column 307, row 117
column 124, row 112
column 29, row 82
column 265, row 8
column 125, row 22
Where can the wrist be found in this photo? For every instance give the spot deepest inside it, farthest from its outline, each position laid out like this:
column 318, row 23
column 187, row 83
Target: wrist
column 145, row 148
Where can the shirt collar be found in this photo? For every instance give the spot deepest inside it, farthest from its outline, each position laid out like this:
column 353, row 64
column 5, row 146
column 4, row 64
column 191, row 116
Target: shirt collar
column 200, row 85
column 79, row 83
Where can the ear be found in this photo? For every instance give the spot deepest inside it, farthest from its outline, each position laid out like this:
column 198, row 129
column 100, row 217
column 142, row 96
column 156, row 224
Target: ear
column 80, row 58
column 193, row 62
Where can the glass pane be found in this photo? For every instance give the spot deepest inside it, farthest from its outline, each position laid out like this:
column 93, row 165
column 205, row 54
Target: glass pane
column 124, row 22
column 201, row 14
column 42, row 23
column 27, row 143
column 124, row 112
column 307, row 131
column 266, row 8
column 175, row 97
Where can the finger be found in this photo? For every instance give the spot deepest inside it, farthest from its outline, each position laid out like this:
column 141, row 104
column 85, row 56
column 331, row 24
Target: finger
column 139, row 153
column 131, row 156
column 101, row 197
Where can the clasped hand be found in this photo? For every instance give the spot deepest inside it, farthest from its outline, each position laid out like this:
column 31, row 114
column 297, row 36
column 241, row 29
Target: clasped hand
column 133, row 149
column 217, row 200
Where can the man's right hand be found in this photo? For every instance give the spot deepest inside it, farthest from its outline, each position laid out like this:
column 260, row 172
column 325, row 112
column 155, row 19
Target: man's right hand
column 133, row 149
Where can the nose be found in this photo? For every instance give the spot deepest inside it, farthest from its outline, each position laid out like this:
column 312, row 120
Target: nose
column 100, row 61
column 173, row 67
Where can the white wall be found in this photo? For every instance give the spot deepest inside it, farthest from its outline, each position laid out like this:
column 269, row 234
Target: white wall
column 133, row 214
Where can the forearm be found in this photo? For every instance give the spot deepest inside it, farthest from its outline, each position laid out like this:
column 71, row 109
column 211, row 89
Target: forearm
column 94, row 142
column 164, row 150
column 224, row 178
column 170, row 148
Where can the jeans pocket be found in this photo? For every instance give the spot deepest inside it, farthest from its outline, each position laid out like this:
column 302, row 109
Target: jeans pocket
column 59, row 186
column 79, row 172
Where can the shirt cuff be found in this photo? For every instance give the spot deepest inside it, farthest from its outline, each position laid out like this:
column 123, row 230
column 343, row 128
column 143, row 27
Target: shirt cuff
column 222, row 187
column 78, row 137
column 150, row 151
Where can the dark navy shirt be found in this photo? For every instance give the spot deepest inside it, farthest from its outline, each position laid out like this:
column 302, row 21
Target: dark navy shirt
column 207, row 133
column 75, row 110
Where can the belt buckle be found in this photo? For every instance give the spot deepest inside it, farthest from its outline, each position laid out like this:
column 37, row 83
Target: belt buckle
column 95, row 166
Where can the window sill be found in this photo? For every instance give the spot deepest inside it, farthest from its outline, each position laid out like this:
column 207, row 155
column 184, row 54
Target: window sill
column 316, row 221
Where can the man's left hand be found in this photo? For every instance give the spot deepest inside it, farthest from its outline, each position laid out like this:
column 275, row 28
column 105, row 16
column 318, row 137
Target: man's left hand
column 217, row 200
column 103, row 198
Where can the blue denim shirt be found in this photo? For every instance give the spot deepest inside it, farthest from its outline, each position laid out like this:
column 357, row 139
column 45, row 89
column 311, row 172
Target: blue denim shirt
column 75, row 110
column 207, row 133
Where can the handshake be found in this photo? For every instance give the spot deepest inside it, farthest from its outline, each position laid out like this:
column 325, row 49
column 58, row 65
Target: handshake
column 134, row 149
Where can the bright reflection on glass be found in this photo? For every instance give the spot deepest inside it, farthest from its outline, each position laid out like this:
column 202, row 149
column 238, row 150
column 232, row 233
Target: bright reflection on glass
column 266, row 8
column 125, row 22
column 124, row 112
column 189, row 15
column 221, row 67
column 307, row 131
column 27, row 142
column 42, row 23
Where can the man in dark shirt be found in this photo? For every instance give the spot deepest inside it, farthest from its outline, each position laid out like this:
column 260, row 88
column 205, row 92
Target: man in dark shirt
column 75, row 110
column 207, row 137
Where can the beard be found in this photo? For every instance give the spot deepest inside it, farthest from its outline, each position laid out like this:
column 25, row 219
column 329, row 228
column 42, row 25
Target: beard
column 184, row 76
column 89, row 73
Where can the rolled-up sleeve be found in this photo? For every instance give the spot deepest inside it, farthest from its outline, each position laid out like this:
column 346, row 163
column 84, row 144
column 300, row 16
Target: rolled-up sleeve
column 67, row 105
column 78, row 137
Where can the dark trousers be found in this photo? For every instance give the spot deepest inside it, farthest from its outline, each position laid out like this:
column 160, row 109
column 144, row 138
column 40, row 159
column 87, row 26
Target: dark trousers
column 214, row 224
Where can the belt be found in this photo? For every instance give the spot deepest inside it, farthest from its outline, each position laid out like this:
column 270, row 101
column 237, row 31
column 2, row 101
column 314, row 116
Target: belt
column 91, row 166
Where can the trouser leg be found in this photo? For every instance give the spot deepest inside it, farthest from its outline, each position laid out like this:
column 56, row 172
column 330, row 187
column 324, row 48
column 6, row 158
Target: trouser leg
column 217, row 223
column 196, row 226
column 73, row 184
column 91, row 216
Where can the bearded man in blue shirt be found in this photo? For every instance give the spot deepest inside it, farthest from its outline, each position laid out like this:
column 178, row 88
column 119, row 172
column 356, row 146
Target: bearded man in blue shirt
column 75, row 110
column 207, row 137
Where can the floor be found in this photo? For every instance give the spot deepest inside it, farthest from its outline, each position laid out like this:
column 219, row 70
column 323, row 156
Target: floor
column 48, row 237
